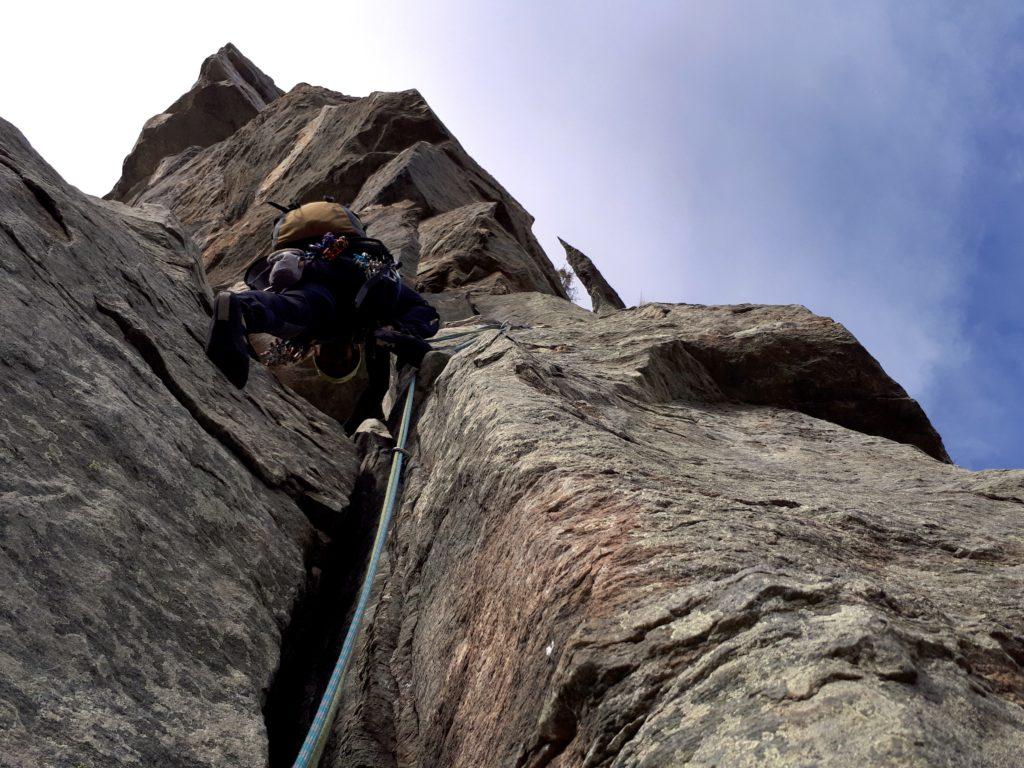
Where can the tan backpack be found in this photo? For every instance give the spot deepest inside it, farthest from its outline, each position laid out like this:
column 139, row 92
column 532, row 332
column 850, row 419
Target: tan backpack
column 315, row 220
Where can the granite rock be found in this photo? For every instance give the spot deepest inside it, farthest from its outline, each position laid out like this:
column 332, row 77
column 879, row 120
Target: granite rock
column 230, row 91
column 153, row 520
column 387, row 153
column 669, row 535
column 605, row 557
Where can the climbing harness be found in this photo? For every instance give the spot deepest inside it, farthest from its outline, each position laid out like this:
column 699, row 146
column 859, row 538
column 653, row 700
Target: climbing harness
column 319, row 730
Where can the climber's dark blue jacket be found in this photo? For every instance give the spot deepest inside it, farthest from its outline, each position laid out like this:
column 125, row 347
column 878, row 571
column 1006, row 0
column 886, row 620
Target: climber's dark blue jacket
column 413, row 315
column 324, row 304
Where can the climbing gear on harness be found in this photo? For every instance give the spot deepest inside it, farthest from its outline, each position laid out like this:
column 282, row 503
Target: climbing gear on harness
column 316, row 738
column 371, row 256
column 226, row 344
column 330, row 247
column 284, row 351
column 339, row 362
column 333, row 373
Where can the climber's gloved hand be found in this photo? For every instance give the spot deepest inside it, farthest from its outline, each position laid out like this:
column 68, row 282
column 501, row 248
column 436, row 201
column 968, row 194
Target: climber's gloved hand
column 286, row 266
column 408, row 349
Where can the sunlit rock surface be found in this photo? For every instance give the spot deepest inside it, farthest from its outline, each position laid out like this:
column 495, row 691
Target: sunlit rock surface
column 603, row 559
column 230, row 91
column 390, row 157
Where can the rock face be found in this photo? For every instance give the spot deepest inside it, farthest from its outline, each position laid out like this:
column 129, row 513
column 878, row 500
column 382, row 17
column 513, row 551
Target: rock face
column 788, row 357
column 602, row 560
column 153, row 534
column 389, row 154
column 671, row 535
column 602, row 296
column 230, row 91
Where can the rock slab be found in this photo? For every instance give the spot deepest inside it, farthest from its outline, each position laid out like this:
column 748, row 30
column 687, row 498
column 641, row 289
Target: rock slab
column 153, row 524
column 230, row 91
column 602, row 559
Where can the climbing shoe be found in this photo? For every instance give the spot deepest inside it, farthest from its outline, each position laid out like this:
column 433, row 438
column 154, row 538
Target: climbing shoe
column 226, row 344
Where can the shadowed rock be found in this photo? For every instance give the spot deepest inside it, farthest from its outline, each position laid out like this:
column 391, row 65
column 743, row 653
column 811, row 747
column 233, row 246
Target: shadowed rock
column 153, row 528
column 469, row 247
column 230, row 91
column 788, row 357
column 397, row 226
column 602, row 296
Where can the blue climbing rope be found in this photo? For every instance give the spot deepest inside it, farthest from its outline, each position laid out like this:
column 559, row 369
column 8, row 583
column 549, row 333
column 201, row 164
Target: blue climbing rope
column 472, row 332
column 320, row 729
column 316, row 738
column 501, row 328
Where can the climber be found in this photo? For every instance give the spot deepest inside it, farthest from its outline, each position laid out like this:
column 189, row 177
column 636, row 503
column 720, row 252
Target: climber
column 325, row 280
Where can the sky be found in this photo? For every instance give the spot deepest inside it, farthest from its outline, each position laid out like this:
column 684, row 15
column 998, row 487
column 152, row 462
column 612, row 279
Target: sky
column 862, row 159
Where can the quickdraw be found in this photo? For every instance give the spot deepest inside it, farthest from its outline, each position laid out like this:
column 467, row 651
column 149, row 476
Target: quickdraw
column 329, row 248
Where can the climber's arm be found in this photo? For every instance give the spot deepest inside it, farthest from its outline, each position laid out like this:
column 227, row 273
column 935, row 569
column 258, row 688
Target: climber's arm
column 413, row 315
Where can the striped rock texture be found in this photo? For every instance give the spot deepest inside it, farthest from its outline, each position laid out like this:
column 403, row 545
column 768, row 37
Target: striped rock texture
column 154, row 531
column 605, row 559
column 387, row 154
column 230, row 91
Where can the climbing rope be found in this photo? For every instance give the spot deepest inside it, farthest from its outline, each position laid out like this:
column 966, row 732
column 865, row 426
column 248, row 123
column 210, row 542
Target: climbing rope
column 501, row 328
column 319, row 730
column 473, row 332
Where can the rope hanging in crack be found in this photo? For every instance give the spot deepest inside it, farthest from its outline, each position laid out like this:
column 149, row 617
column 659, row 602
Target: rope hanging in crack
column 320, row 729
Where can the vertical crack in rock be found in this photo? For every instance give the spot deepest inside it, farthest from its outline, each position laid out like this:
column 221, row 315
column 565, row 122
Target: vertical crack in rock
column 311, row 641
column 334, row 561
column 140, row 341
column 137, row 336
column 150, row 569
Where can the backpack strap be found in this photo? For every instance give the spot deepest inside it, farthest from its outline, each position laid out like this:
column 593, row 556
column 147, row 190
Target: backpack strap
column 355, row 221
column 272, row 204
column 284, row 209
